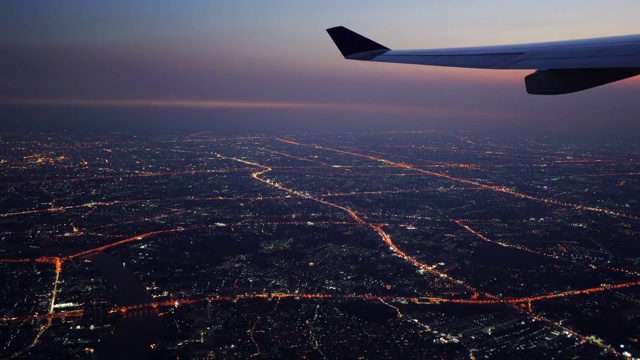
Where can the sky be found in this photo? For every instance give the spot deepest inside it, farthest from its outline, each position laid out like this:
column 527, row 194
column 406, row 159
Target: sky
column 251, row 66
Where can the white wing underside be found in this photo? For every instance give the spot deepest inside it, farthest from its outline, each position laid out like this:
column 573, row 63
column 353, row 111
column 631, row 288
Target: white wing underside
column 592, row 62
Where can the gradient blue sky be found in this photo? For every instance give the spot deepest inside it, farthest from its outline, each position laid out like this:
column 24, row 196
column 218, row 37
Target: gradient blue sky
column 271, row 63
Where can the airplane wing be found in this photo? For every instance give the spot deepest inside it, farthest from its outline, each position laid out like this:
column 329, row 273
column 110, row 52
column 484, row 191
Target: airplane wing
column 562, row 67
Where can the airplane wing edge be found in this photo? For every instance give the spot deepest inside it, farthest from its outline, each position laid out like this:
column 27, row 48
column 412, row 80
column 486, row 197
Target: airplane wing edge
column 562, row 67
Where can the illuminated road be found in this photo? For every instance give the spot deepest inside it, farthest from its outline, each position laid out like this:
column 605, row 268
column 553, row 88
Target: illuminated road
column 58, row 266
column 503, row 244
column 395, row 308
column 260, row 173
column 376, row 227
column 497, row 188
column 489, row 298
column 125, row 241
column 552, row 256
column 385, row 299
column 58, row 262
column 41, row 331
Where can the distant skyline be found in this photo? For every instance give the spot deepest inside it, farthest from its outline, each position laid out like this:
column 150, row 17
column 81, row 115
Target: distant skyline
column 247, row 66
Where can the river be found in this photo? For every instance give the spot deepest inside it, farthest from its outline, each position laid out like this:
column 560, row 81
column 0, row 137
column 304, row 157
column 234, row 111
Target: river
column 136, row 331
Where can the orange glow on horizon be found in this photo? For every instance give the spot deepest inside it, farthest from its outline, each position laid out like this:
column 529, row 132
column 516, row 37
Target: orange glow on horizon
column 255, row 104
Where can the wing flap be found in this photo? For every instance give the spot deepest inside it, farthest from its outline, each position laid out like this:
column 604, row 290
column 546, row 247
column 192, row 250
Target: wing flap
column 626, row 50
column 593, row 62
column 481, row 61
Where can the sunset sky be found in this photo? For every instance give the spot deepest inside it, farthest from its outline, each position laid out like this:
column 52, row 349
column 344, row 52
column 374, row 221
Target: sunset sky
column 252, row 66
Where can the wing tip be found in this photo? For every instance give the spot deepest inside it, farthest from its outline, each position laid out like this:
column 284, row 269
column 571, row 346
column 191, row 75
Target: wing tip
column 353, row 45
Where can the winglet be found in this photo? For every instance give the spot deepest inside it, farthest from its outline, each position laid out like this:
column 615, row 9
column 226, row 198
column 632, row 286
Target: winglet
column 355, row 46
